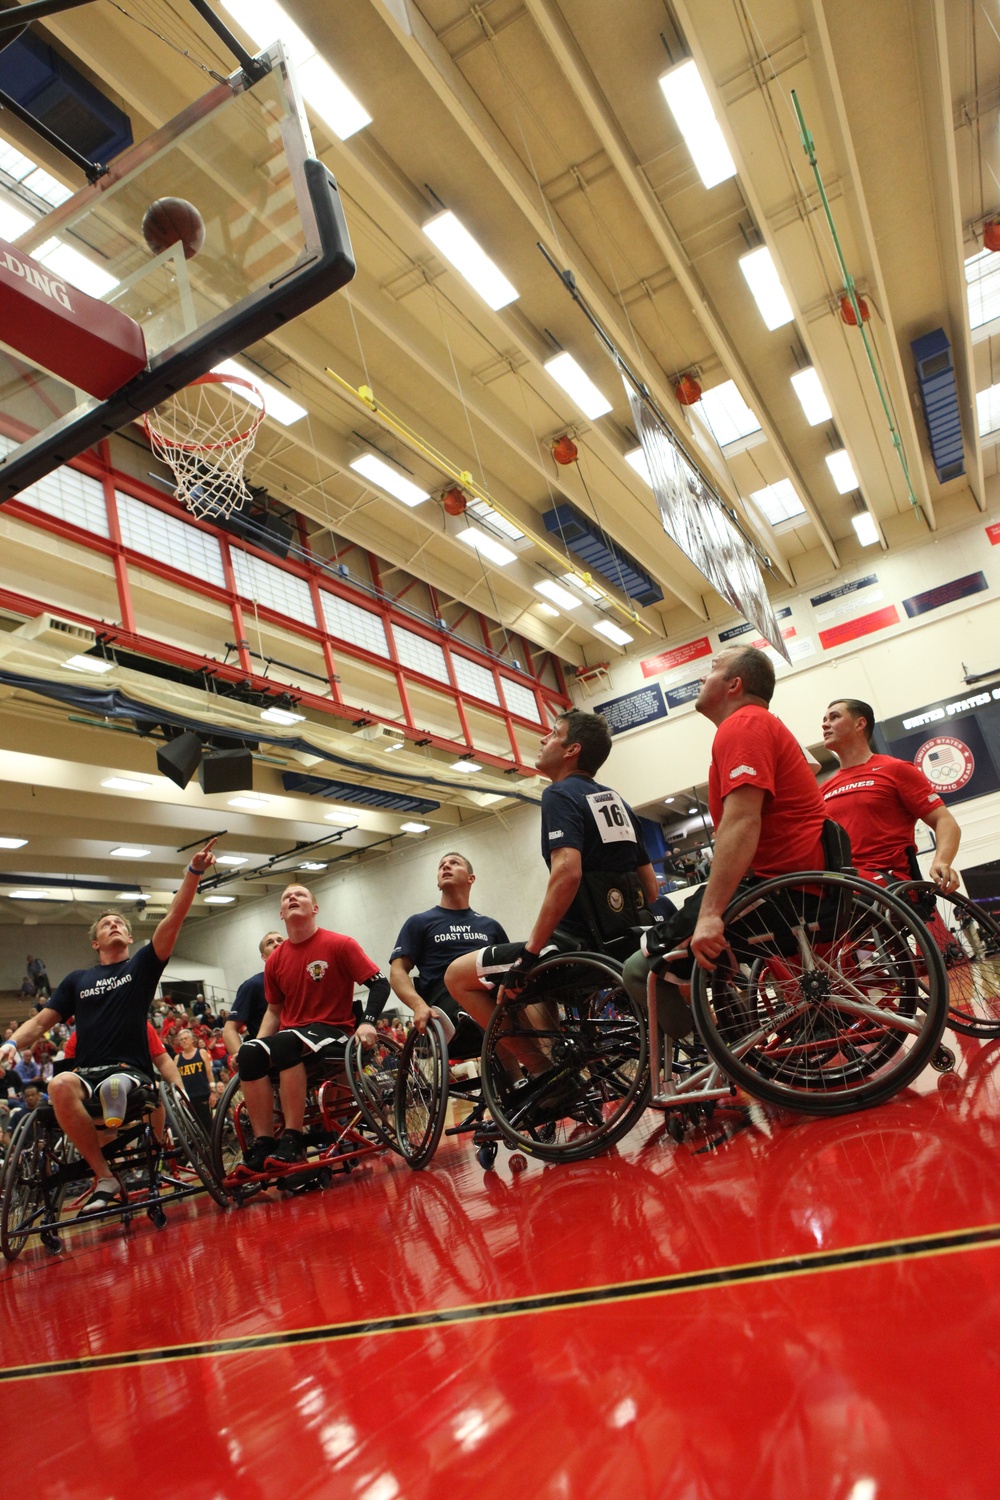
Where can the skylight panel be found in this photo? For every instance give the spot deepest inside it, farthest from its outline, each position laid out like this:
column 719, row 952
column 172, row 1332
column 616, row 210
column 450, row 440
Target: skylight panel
column 982, row 274
column 778, row 502
column 726, row 414
column 493, row 518
column 988, row 412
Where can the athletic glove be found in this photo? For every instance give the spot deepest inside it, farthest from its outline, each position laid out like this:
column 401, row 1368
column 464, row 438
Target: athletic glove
column 517, row 975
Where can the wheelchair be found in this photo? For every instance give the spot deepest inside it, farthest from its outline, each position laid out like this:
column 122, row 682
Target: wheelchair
column 347, row 1119
column 44, row 1177
column 969, row 940
column 830, row 997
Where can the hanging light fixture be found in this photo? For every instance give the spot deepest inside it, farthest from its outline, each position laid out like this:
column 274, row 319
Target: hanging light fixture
column 564, row 450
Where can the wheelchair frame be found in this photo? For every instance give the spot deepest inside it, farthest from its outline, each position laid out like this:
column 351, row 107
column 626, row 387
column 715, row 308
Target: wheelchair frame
column 42, row 1165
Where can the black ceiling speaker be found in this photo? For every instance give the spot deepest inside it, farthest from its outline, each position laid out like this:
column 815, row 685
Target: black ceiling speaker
column 178, row 759
column 226, row 771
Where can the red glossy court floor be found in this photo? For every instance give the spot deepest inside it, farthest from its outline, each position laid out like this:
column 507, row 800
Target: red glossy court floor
column 795, row 1309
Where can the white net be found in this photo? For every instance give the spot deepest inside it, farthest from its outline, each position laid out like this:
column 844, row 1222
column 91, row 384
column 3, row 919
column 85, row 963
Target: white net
column 204, row 433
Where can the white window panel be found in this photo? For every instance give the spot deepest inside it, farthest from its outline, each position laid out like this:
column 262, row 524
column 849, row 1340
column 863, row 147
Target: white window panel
column 988, row 413
column 726, row 414
column 71, row 496
column 362, row 627
column 170, row 540
column 982, row 273
column 485, row 512
column 419, row 654
column 477, row 681
column 265, row 584
column 521, row 700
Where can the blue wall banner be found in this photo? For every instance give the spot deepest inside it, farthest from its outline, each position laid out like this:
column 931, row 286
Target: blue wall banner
column 686, row 693
column 945, row 593
column 634, row 710
column 844, row 588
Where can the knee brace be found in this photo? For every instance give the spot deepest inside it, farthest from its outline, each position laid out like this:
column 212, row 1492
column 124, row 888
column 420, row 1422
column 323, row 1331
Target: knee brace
column 253, row 1060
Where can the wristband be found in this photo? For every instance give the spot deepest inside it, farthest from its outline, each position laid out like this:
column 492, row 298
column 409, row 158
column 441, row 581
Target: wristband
column 192, row 871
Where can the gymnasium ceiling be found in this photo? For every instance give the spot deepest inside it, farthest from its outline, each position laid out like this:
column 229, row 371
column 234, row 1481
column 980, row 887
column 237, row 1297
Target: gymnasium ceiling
column 536, row 122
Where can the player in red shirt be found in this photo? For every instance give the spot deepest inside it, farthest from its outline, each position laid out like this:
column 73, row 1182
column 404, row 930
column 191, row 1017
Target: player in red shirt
column 766, row 808
column 878, row 799
column 309, row 986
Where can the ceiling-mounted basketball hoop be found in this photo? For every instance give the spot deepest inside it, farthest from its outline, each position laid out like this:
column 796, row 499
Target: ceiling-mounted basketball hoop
column 205, row 432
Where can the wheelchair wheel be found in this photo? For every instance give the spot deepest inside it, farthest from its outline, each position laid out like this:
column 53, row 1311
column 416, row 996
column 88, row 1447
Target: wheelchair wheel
column 421, row 1096
column 372, row 1076
column 576, row 1018
column 232, row 1134
column 969, row 940
column 32, row 1185
column 189, row 1137
column 829, row 998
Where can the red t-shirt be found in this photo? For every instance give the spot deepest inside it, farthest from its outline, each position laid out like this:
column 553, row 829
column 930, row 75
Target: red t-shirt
column 314, row 980
column 156, row 1047
column 878, row 803
column 753, row 748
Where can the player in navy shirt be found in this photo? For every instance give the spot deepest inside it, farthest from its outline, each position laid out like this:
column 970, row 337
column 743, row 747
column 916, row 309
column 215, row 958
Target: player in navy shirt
column 430, row 940
column 111, row 1003
column 600, row 877
column 250, row 1005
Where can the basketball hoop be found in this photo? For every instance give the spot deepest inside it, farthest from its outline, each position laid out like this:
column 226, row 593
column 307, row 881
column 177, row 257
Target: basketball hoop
column 205, row 432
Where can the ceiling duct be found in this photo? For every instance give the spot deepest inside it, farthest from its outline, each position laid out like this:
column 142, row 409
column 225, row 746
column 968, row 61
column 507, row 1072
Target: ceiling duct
column 50, row 630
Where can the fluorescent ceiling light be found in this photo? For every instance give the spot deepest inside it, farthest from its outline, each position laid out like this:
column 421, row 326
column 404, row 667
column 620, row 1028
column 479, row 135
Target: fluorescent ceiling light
column 125, row 784
column 399, row 745
column 668, row 799
column 842, row 471
column 312, row 864
column 12, row 843
column 129, row 896
column 692, row 812
column 249, row 802
column 762, row 278
column 988, row 410
column 45, row 186
column 470, row 260
column 77, row 269
column 277, row 403
column 322, row 90
column 38, row 896
column 692, row 109
column 487, row 546
column 558, row 595
column 726, row 414
column 219, row 900
column 347, row 819
column 636, row 459
column 388, row 479
column 585, row 588
column 476, row 507
column 613, row 633
column 232, row 859
column 864, row 525
column 129, row 851
column 466, row 765
column 778, row 502
column 281, row 716
column 13, row 222
column 88, row 664
column 578, row 385
column 810, row 394
column 546, row 609
column 414, row 828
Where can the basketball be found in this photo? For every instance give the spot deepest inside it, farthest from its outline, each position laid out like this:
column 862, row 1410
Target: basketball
column 171, row 219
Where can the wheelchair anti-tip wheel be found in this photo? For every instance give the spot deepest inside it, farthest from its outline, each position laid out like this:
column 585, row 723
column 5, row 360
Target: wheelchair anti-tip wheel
column 829, row 998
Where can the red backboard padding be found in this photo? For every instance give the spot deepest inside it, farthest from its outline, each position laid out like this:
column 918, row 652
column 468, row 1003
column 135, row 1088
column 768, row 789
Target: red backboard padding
column 82, row 340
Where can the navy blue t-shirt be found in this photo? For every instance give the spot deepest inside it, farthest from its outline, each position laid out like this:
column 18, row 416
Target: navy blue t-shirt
column 111, row 1004
column 580, row 813
column 250, row 1005
column 431, row 939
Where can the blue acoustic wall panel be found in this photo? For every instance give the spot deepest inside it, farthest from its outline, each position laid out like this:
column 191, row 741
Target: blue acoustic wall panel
column 360, row 796
column 600, row 554
column 939, row 397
